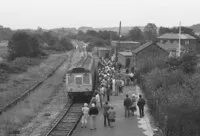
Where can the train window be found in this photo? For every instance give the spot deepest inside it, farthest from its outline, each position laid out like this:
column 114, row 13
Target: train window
column 86, row 78
column 70, row 79
column 78, row 79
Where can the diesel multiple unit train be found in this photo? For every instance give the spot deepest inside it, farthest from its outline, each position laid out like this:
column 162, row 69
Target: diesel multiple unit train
column 81, row 78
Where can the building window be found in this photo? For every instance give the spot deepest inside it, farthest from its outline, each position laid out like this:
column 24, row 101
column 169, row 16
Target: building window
column 187, row 42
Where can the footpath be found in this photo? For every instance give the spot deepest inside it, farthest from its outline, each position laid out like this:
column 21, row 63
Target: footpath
column 131, row 126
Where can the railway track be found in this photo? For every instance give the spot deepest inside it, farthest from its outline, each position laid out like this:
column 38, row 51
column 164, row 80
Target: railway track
column 66, row 121
column 32, row 88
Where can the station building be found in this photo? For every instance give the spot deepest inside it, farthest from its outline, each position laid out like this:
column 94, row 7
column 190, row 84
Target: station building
column 148, row 52
column 124, row 45
column 103, row 52
column 126, row 59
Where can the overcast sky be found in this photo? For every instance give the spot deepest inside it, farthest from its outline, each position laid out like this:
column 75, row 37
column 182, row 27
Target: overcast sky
column 97, row 13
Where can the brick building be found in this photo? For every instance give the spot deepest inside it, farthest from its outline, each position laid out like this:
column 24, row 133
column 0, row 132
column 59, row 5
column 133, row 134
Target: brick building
column 170, row 42
column 125, row 45
column 126, row 59
column 104, row 52
column 148, row 52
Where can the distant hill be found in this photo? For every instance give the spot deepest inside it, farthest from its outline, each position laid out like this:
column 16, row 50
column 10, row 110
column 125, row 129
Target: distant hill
column 65, row 31
column 196, row 28
column 124, row 30
column 85, row 28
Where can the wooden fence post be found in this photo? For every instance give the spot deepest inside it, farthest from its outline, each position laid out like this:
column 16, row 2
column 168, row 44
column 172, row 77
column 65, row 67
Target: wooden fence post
column 165, row 125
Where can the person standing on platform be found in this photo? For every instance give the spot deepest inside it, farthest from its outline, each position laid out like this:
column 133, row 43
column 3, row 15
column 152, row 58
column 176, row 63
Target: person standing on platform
column 141, row 103
column 127, row 104
column 111, row 116
column 98, row 102
column 85, row 115
column 93, row 112
column 113, row 86
column 117, row 86
column 108, row 93
column 133, row 104
column 106, row 107
column 93, row 100
column 102, row 95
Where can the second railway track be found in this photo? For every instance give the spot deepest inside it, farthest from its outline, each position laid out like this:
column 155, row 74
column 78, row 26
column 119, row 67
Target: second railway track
column 32, row 88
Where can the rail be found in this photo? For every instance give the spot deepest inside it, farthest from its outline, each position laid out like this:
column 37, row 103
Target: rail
column 31, row 89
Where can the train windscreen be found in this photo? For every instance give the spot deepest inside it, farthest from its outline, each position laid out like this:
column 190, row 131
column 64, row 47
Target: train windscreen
column 70, row 79
column 78, row 79
column 86, row 78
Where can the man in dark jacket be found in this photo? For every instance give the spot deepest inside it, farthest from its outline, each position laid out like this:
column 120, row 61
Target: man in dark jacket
column 106, row 108
column 127, row 104
column 93, row 112
column 141, row 103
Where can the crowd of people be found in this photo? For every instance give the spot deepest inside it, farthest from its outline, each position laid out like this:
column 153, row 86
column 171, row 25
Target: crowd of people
column 111, row 82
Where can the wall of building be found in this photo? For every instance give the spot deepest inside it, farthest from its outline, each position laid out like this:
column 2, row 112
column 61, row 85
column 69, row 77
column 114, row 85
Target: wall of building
column 151, row 53
column 188, row 46
column 122, row 60
column 102, row 53
column 125, row 45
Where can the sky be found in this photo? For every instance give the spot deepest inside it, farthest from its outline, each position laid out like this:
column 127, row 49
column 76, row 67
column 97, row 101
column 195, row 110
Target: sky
column 20, row 14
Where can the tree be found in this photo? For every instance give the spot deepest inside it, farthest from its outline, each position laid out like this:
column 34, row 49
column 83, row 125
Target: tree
column 163, row 30
column 136, row 34
column 150, row 32
column 66, row 43
column 23, row 44
column 50, row 39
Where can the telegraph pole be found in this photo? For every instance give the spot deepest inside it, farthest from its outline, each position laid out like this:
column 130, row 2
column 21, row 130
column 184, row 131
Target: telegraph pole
column 179, row 47
column 117, row 46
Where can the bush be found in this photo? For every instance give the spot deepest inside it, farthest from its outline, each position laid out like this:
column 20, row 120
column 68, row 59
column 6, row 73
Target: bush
column 23, row 44
column 187, row 63
column 178, row 97
column 66, row 44
column 16, row 66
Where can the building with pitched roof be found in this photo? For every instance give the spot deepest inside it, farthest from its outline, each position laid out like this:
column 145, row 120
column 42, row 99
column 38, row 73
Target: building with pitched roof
column 148, row 52
column 125, row 45
column 126, row 59
column 170, row 42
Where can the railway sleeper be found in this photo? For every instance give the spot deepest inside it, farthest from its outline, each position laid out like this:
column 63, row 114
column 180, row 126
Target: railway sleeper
column 63, row 128
column 70, row 120
column 59, row 133
column 66, row 125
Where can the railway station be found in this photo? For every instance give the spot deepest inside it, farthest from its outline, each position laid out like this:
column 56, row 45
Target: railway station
column 93, row 81
column 126, row 126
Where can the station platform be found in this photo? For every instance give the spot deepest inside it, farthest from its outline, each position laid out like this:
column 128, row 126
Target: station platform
column 130, row 126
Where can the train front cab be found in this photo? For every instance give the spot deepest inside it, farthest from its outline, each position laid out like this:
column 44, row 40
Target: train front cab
column 79, row 83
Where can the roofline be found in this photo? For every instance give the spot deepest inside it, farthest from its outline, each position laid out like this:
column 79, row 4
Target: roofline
column 150, row 45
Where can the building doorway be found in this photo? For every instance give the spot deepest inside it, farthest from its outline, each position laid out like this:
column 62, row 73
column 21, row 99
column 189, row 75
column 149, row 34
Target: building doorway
column 128, row 61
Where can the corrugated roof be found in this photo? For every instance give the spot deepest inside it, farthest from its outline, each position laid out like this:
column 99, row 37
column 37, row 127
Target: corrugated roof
column 142, row 47
column 126, row 53
column 175, row 36
column 126, row 42
column 170, row 47
column 103, row 48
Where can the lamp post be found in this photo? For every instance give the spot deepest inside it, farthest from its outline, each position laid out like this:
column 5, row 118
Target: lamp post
column 179, row 47
column 118, row 42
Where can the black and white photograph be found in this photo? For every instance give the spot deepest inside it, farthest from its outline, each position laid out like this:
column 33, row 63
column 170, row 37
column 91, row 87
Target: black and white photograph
column 99, row 68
